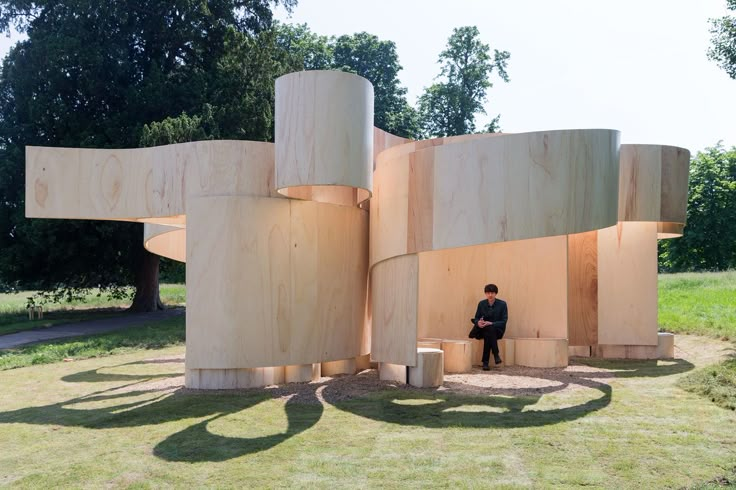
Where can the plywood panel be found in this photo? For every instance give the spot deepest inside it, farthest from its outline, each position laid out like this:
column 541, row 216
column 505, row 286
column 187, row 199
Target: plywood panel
column 329, row 266
column 531, row 276
column 541, row 353
column 324, row 130
column 582, row 287
column 675, row 173
column 640, row 183
column 166, row 241
column 627, row 284
column 390, row 211
column 250, row 305
column 394, row 285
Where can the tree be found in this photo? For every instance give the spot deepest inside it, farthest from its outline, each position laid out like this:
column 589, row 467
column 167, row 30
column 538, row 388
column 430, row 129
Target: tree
column 449, row 107
column 363, row 54
column 723, row 48
column 709, row 239
column 91, row 74
column 366, row 55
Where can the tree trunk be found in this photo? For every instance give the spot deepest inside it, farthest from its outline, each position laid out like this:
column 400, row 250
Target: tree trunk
column 147, row 296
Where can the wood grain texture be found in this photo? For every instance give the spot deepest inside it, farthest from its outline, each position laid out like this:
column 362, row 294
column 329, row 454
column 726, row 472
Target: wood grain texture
column 664, row 349
column 458, row 356
column 392, row 372
column 166, row 241
column 303, row 373
column 324, row 130
column 275, row 282
column 627, row 284
column 653, row 183
column 531, row 276
column 429, row 371
column 150, row 184
column 333, row 368
column 541, row 353
column 232, row 379
column 394, row 322
column 582, row 288
column 494, row 189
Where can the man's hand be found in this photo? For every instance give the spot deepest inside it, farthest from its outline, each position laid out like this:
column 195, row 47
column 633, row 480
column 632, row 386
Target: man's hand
column 482, row 323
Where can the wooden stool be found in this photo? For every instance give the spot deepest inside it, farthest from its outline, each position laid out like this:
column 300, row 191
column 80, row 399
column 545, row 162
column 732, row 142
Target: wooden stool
column 332, row 368
column 458, row 356
column 428, row 373
column 665, row 345
column 362, row 362
column 302, row 373
column 541, row 353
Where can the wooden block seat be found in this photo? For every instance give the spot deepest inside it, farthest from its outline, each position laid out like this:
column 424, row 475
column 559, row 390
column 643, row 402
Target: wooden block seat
column 333, row 368
column 458, row 355
column 665, row 349
column 303, row 373
column 541, row 352
column 505, row 349
column 428, row 373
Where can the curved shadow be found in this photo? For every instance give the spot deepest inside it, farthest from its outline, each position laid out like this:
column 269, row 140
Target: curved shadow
column 435, row 409
column 628, row 368
column 95, row 376
column 197, row 444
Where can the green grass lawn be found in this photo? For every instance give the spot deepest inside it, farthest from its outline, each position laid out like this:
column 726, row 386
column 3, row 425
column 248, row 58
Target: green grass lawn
column 122, row 422
column 14, row 317
column 698, row 303
column 116, row 416
column 154, row 335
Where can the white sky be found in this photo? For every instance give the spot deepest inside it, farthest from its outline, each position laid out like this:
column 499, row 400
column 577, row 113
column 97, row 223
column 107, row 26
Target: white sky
column 638, row 66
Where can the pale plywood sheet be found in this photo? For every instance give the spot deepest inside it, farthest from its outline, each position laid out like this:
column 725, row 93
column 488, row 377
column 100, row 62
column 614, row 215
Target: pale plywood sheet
column 248, row 302
column 627, row 284
column 324, row 130
column 524, row 186
column 329, row 266
column 394, row 289
column 582, row 310
column 238, row 291
column 166, row 241
column 389, row 221
column 531, row 276
column 640, row 183
column 143, row 183
column 675, row 174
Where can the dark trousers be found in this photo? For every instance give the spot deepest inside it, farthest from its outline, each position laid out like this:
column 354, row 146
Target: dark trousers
column 491, row 336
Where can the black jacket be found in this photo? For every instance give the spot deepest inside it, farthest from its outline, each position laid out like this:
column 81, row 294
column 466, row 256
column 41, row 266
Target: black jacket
column 498, row 313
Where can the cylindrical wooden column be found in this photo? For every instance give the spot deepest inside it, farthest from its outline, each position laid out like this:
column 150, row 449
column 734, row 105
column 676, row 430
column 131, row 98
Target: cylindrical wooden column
column 333, row 368
column 324, row 136
column 302, row 373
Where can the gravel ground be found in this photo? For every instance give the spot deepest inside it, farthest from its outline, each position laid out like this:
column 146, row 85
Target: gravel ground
column 510, row 381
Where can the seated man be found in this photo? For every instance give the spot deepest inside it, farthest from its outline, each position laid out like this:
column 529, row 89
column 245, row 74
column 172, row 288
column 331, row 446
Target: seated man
column 491, row 317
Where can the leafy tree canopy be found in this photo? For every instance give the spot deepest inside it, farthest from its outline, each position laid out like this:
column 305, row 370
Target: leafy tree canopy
column 723, row 41
column 449, row 106
column 709, row 239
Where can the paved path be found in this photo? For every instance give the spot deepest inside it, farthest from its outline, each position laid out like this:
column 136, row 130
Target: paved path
column 88, row 327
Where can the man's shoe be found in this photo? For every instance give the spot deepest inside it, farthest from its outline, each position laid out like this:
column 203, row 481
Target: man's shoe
column 497, row 359
column 486, row 368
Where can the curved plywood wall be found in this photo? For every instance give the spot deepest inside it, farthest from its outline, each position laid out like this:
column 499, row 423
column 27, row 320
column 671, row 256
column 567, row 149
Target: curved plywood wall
column 653, row 186
column 166, row 241
column 487, row 190
column 450, row 215
column 285, row 268
column 324, row 127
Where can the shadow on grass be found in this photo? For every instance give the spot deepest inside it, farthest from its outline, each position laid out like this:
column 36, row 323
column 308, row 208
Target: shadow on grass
column 505, row 407
column 132, row 404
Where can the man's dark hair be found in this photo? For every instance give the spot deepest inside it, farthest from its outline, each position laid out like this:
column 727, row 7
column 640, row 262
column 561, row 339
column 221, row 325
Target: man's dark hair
column 491, row 288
